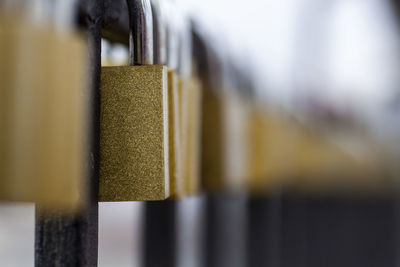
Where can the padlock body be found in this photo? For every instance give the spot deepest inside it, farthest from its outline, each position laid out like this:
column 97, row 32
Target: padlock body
column 42, row 115
column 134, row 143
column 176, row 179
column 192, row 116
column 212, row 145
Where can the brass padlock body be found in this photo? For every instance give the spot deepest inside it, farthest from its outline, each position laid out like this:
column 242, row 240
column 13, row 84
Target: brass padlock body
column 134, row 143
column 176, row 179
column 192, row 116
column 212, row 132
column 42, row 115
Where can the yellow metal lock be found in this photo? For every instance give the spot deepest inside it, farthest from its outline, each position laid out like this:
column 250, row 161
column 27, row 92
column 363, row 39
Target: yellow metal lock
column 192, row 152
column 176, row 187
column 166, row 53
column 211, row 138
column 271, row 149
column 134, row 133
column 42, row 113
column 189, row 99
column 224, row 151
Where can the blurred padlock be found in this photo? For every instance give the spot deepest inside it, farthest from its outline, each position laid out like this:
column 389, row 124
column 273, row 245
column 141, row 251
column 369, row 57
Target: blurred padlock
column 190, row 106
column 192, row 153
column 134, row 119
column 42, row 113
column 166, row 53
column 212, row 144
column 224, row 120
column 341, row 161
column 271, row 144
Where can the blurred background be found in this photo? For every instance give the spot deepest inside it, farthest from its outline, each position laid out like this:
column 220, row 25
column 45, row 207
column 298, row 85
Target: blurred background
column 329, row 66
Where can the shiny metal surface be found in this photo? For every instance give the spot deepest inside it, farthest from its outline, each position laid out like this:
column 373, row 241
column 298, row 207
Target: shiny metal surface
column 172, row 37
column 159, row 33
column 140, row 32
column 184, row 44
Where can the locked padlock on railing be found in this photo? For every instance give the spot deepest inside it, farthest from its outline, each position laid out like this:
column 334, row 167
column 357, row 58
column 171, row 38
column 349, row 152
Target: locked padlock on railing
column 225, row 155
column 134, row 133
column 166, row 53
column 193, row 142
column 42, row 105
column 190, row 102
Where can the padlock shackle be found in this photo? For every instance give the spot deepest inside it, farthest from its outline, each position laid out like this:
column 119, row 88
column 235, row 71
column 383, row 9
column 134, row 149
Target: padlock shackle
column 172, row 37
column 159, row 32
column 184, row 46
column 140, row 32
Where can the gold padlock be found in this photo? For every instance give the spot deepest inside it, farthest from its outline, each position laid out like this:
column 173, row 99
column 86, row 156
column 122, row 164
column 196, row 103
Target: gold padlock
column 271, row 149
column 192, row 153
column 42, row 113
column 166, row 53
column 189, row 97
column 226, row 112
column 176, row 183
column 211, row 135
column 134, row 133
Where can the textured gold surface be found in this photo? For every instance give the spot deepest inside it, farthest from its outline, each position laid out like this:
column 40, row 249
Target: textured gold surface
column 134, row 134
column 42, row 116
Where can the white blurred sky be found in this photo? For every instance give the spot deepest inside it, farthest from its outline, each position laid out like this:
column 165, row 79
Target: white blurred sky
column 347, row 48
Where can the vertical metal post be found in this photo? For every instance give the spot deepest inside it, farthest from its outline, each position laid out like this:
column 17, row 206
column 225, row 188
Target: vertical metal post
column 226, row 237
column 351, row 232
column 264, row 231
column 190, row 231
column 72, row 240
column 160, row 234
column 294, row 244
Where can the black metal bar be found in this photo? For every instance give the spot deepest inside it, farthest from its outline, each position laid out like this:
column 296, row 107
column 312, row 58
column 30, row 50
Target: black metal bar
column 160, row 234
column 351, row 232
column 225, row 244
column 190, row 232
column 116, row 21
column 264, row 231
column 294, row 246
column 326, row 231
column 72, row 240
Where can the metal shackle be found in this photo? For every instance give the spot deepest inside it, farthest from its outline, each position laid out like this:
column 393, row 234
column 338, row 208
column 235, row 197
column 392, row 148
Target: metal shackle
column 140, row 32
column 159, row 32
column 184, row 44
column 171, row 34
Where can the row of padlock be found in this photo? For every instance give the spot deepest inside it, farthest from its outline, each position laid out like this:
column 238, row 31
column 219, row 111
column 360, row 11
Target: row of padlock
column 257, row 149
column 166, row 131
column 150, row 111
column 257, row 146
